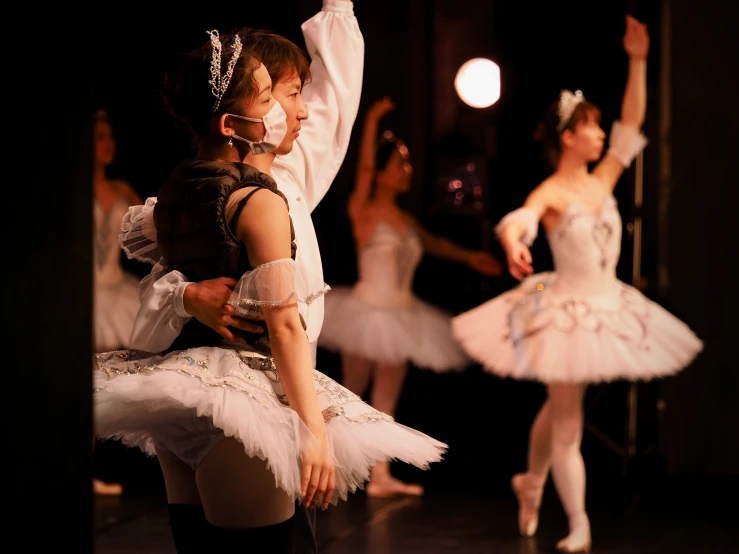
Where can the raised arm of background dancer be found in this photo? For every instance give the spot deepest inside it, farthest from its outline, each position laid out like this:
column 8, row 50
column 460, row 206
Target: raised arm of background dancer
column 264, row 228
column 336, row 47
column 634, row 103
column 366, row 164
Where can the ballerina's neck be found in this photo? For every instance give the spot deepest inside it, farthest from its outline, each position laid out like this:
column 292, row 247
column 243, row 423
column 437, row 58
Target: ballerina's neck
column 571, row 167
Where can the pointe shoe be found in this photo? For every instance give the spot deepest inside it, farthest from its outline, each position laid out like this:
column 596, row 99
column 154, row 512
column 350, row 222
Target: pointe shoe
column 106, row 489
column 579, row 540
column 529, row 499
column 389, row 487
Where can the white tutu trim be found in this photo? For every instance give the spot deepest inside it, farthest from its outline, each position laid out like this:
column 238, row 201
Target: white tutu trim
column 532, row 332
column 240, row 391
column 138, row 237
column 419, row 333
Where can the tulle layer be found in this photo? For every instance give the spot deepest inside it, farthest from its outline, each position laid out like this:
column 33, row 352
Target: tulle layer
column 420, row 333
column 532, row 332
column 138, row 237
column 277, row 283
column 139, row 398
column 115, row 308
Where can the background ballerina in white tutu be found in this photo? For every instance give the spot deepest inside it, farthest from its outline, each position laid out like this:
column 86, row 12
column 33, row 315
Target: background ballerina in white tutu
column 578, row 324
column 378, row 325
column 116, row 293
column 116, row 298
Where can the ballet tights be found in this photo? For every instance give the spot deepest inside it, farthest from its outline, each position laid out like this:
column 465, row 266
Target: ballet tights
column 554, row 443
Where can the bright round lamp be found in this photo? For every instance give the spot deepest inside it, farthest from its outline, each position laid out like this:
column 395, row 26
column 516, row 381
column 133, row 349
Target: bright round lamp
column 478, row 82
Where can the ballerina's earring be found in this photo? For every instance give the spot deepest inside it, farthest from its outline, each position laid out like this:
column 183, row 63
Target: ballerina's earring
column 231, row 142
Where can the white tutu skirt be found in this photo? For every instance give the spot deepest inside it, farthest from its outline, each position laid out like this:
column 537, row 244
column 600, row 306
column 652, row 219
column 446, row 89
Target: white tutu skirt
column 420, row 333
column 140, row 400
column 115, row 308
column 533, row 332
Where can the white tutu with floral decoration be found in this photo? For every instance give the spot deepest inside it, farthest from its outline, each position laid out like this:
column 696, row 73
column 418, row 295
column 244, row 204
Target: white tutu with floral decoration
column 536, row 332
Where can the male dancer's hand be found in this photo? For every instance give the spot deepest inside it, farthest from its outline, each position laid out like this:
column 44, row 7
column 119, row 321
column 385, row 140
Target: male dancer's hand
column 207, row 301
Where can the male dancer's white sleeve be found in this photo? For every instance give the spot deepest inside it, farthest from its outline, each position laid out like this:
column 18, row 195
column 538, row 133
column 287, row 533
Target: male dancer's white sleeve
column 336, row 47
column 162, row 314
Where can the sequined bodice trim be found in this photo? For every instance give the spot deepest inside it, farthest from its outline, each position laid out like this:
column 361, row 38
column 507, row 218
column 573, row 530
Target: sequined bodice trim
column 586, row 247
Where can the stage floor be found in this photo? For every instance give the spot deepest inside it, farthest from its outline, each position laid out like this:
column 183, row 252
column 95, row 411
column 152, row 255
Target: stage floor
column 679, row 519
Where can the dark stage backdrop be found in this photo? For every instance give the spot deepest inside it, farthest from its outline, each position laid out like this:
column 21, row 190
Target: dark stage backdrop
column 47, row 280
column 702, row 232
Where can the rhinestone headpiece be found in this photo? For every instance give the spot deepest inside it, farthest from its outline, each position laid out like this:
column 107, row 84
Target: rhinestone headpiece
column 219, row 83
column 568, row 101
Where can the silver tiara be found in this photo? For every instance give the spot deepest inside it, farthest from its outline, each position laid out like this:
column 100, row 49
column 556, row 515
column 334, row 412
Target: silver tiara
column 219, row 83
column 568, row 101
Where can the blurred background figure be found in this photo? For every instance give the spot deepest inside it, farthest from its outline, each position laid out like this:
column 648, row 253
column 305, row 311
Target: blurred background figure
column 116, row 290
column 579, row 324
column 116, row 297
column 378, row 325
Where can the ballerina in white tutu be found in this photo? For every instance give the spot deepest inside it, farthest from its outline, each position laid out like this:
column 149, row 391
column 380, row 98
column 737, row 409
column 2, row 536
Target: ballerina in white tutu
column 242, row 428
column 116, row 294
column 578, row 324
column 116, row 298
column 378, row 325
column 303, row 167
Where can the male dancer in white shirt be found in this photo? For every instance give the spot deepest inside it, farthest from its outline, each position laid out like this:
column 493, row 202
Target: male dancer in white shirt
column 304, row 168
column 303, row 175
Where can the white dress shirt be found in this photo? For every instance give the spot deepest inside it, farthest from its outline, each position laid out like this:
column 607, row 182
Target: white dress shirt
column 336, row 48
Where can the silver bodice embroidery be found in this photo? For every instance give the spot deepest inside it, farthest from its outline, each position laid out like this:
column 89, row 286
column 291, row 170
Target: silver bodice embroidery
column 586, row 247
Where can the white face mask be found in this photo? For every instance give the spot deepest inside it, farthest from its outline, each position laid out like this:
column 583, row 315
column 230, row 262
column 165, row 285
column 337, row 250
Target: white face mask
column 275, row 126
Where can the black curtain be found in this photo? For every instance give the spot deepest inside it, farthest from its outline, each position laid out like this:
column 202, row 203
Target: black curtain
column 47, row 270
column 701, row 231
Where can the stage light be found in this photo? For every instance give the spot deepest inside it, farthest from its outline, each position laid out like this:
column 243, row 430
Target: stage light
column 478, row 82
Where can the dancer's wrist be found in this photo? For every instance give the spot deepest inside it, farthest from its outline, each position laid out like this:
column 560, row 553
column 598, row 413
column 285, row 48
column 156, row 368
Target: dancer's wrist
column 507, row 242
column 316, row 426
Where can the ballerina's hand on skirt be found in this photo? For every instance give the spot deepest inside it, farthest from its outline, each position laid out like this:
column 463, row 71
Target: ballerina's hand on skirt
column 519, row 260
column 319, row 473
